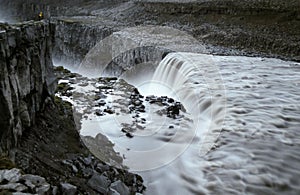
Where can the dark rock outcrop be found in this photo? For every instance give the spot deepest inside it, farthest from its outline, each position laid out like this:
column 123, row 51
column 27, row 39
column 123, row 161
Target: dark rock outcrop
column 73, row 40
column 26, row 77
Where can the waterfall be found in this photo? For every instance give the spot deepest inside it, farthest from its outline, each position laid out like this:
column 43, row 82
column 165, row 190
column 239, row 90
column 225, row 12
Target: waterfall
column 195, row 80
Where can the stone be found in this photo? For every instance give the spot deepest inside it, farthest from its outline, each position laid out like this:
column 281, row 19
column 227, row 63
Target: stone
column 24, row 115
column 102, row 168
column 87, row 161
column 12, row 175
column 87, row 172
column 137, row 102
column 68, row 189
column 109, row 111
column 99, row 183
column 129, row 135
column 33, row 180
column 54, row 190
column 171, row 100
column 14, row 187
column 113, row 192
column 120, row 187
column 43, row 189
column 37, row 183
column 99, row 113
column 102, row 102
column 74, row 168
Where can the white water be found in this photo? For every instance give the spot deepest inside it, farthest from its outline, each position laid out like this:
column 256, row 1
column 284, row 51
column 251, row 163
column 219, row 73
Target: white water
column 196, row 82
column 258, row 149
column 254, row 101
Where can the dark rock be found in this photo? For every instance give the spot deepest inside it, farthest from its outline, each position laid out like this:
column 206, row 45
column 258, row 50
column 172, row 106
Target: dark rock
column 173, row 110
column 88, row 160
column 26, row 78
column 120, row 187
column 129, row 135
column 136, row 91
column 109, row 111
column 171, row 100
column 102, row 167
column 74, row 168
column 87, row 172
column 99, row 183
column 152, row 101
column 99, row 113
column 102, row 103
column 68, row 189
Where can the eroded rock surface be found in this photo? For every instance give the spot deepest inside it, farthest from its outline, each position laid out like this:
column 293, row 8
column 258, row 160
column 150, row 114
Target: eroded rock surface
column 26, row 77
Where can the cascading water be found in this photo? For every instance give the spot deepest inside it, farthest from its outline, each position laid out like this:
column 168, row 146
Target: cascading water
column 257, row 151
column 194, row 81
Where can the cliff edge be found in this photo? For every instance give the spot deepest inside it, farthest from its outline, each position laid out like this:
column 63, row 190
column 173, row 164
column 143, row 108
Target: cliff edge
column 26, row 78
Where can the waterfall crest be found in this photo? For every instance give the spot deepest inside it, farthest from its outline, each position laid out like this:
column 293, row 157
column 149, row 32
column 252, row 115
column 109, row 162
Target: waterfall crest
column 196, row 82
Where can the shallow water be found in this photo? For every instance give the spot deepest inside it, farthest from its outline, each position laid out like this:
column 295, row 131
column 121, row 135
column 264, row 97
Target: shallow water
column 246, row 109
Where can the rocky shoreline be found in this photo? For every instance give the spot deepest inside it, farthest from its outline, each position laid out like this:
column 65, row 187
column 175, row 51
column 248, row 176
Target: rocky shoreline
column 65, row 164
column 41, row 150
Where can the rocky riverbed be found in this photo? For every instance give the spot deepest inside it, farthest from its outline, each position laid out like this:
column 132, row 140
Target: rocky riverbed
column 110, row 107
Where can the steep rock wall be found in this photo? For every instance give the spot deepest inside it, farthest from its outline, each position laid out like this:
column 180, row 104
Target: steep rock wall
column 26, row 78
column 74, row 39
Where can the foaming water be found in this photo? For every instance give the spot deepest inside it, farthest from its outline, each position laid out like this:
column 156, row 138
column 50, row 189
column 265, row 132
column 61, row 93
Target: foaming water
column 257, row 150
column 194, row 80
column 197, row 83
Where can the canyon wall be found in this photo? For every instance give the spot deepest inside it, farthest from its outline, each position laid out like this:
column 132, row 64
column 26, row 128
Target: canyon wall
column 26, row 78
column 73, row 39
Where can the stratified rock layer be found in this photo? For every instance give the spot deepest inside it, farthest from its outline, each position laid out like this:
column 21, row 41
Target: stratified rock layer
column 26, row 77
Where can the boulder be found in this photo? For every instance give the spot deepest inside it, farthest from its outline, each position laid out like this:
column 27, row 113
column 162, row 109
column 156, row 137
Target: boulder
column 33, row 180
column 99, row 183
column 68, row 189
column 120, row 187
column 12, row 175
column 13, row 187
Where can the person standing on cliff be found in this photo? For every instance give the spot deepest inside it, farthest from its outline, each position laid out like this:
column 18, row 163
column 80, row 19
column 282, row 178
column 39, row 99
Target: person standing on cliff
column 40, row 16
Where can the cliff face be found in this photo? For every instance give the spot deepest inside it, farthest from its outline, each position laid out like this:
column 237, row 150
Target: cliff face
column 26, row 78
column 73, row 40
